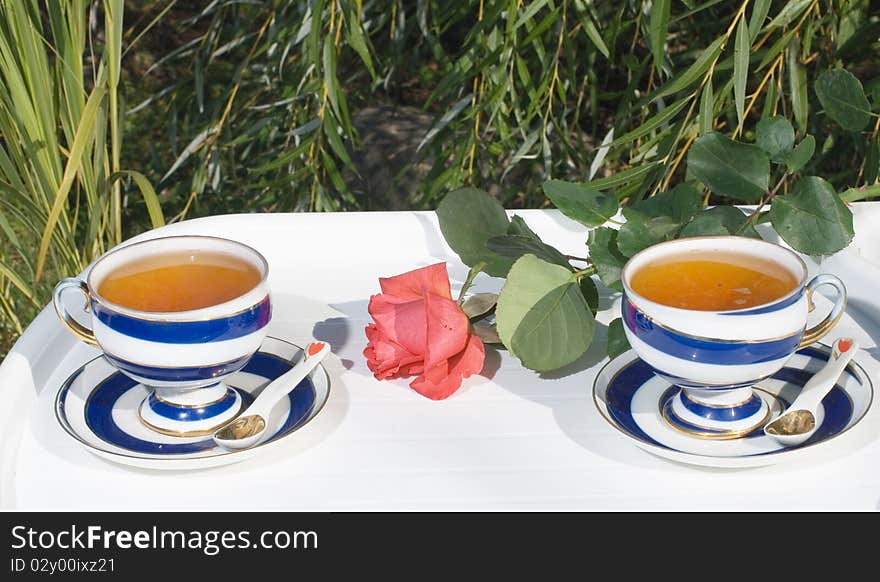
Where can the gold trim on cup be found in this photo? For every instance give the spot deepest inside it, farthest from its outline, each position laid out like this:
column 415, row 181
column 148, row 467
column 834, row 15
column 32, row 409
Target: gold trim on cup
column 715, row 434
column 187, row 433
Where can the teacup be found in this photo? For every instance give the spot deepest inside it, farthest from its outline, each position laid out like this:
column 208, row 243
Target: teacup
column 183, row 355
column 716, row 357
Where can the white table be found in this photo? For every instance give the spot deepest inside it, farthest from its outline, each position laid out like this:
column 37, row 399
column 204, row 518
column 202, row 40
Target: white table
column 510, row 439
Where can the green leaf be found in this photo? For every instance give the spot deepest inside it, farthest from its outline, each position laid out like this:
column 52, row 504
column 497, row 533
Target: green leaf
column 775, row 136
column 657, row 28
column 707, row 108
column 694, row 72
column 582, row 203
column 681, row 203
column 854, row 46
column 812, row 218
column 800, row 155
column 151, row 199
column 606, row 256
column 789, row 12
column 641, row 231
column 649, row 125
column 730, row 168
column 518, row 226
column 314, row 38
column 593, row 34
column 515, row 246
column 590, row 293
column 741, row 51
column 721, row 220
column 543, row 318
column 861, row 193
column 760, row 9
column 843, row 99
column 617, row 342
column 621, row 177
column 797, row 84
column 468, row 218
column 872, row 160
column 355, row 37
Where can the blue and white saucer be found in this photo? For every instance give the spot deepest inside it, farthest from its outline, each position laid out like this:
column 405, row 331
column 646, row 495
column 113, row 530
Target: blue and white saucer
column 634, row 400
column 98, row 406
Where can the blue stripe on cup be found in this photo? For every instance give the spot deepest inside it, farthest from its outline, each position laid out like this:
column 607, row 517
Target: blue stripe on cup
column 183, row 414
column 181, row 374
column 705, row 351
column 723, row 413
column 187, row 332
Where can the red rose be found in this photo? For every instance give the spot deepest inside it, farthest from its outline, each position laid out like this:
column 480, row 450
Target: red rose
column 420, row 330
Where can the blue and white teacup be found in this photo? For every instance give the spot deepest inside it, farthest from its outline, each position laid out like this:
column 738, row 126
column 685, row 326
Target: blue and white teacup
column 716, row 357
column 182, row 356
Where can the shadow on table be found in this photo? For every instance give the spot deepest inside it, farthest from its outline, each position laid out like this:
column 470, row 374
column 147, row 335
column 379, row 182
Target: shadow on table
column 576, row 415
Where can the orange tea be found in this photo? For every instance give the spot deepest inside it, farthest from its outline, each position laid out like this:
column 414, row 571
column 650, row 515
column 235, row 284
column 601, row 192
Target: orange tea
column 715, row 281
column 179, row 281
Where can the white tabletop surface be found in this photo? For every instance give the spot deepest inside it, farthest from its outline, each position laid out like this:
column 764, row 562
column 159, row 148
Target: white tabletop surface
column 509, row 439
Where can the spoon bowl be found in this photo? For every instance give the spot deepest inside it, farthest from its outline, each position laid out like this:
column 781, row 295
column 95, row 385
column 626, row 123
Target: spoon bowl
column 795, row 427
column 243, row 432
column 249, row 428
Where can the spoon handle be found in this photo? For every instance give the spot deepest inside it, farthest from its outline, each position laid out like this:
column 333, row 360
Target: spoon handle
column 820, row 384
column 283, row 384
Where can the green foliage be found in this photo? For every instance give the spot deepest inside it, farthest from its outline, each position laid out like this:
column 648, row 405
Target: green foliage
column 543, row 317
column 540, row 307
column 260, row 106
column 63, row 201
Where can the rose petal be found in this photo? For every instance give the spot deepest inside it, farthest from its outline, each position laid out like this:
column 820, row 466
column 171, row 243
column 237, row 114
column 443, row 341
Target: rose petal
column 415, row 284
column 447, row 329
column 402, row 322
column 444, row 379
column 387, row 359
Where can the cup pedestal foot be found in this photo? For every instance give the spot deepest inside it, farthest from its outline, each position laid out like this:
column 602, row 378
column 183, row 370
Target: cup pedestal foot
column 190, row 413
column 717, row 414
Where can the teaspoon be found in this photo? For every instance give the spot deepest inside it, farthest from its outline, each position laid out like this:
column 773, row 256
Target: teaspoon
column 803, row 416
column 249, row 428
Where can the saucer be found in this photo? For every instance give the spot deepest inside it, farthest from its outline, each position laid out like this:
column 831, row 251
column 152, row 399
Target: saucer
column 634, row 400
column 98, row 406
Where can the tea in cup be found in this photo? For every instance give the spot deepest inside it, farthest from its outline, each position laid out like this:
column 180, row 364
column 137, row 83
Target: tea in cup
column 715, row 315
column 177, row 314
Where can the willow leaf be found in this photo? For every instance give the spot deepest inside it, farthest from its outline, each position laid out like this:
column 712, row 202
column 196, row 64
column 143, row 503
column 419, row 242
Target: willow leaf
column 741, row 68
column 657, row 28
column 694, row 72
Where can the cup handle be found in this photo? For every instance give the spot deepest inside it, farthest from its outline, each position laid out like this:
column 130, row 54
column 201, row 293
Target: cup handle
column 819, row 330
column 78, row 329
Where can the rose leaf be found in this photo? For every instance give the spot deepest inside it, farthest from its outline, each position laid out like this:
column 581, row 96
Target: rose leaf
column 468, row 218
column 730, row 168
column 800, row 155
column 681, row 203
column 543, row 317
column 843, row 99
column 582, row 203
column 812, row 218
column 639, row 231
column 719, row 220
column 515, row 246
column 606, row 257
column 617, row 342
column 775, row 136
